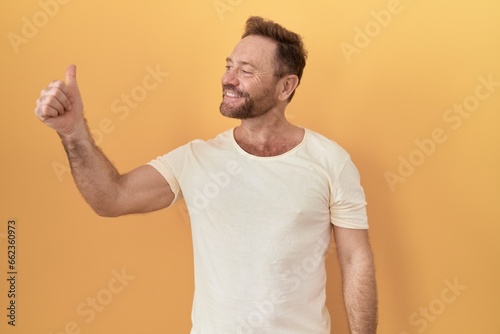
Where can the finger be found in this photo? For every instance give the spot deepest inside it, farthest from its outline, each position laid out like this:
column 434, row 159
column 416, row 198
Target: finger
column 71, row 77
column 59, row 84
column 45, row 112
column 57, row 91
column 52, row 102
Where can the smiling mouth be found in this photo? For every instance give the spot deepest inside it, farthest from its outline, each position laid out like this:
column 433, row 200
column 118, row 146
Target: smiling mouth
column 231, row 94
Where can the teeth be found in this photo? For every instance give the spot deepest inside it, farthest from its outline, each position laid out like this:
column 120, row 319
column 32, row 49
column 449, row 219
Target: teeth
column 231, row 94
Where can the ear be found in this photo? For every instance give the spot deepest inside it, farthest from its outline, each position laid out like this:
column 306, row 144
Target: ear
column 287, row 86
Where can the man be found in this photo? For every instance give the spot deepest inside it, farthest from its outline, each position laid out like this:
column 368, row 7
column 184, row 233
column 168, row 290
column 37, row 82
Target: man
column 263, row 197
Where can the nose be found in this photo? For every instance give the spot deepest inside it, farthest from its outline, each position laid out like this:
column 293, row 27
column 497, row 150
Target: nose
column 230, row 78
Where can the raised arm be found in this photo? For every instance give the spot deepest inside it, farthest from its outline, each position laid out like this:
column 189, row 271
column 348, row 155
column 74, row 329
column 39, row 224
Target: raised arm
column 107, row 191
column 358, row 279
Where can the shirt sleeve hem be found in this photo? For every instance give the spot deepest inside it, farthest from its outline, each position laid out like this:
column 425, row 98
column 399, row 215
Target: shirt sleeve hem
column 172, row 182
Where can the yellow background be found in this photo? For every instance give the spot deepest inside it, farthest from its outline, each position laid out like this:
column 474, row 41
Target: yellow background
column 438, row 227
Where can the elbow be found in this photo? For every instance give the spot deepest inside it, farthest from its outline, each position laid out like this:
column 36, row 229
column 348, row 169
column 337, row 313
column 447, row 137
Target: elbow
column 105, row 205
column 107, row 214
column 107, row 211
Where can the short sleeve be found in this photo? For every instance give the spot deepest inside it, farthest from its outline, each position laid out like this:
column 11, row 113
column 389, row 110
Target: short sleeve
column 347, row 202
column 170, row 166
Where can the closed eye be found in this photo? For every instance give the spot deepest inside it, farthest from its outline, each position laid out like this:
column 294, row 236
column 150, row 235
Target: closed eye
column 244, row 72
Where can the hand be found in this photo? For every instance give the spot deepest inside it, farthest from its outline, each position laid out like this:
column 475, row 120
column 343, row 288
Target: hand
column 60, row 105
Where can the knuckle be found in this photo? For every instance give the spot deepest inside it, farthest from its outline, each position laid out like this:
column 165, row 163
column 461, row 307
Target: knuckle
column 45, row 93
column 55, row 83
column 40, row 112
column 42, row 109
column 44, row 99
column 49, row 97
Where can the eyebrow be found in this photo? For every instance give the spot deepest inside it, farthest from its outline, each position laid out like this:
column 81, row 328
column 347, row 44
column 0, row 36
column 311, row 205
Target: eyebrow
column 229, row 59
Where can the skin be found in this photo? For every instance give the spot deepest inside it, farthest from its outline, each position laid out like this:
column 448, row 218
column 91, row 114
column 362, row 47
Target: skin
column 108, row 192
column 264, row 131
column 358, row 279
column 250, row 69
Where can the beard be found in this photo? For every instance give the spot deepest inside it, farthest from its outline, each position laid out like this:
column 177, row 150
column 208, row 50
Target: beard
column 251, row 107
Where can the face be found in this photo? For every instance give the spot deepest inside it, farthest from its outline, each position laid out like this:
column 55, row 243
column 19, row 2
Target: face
column 249, row 85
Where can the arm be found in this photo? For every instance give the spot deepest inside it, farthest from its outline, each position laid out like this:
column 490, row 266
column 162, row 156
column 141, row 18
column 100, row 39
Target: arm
column 358, row 279
column 108, row 192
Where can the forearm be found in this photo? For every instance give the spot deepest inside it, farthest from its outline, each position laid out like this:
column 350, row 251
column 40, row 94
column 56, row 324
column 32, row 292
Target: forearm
column 143, row 189
column 95, row 176
column 360, row 295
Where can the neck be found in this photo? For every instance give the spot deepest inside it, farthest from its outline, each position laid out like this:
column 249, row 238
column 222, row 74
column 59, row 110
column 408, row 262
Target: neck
column 268, row 135
column 265, row 127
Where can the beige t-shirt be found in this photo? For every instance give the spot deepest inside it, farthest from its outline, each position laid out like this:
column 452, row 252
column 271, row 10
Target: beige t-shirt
column 261, row 227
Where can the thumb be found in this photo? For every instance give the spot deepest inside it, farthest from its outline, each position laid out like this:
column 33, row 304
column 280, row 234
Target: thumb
column 71, row 77
column 73, row 91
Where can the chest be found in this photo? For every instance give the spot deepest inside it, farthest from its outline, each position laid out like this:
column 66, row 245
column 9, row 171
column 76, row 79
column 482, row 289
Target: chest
column 250, row 194
column 268, row 150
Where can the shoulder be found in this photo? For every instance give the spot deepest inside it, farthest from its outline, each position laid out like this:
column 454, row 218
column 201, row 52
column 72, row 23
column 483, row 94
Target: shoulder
column 325, row 154
column 322, row 144
column 196, row 146
column 221, row 140
column 202, row 149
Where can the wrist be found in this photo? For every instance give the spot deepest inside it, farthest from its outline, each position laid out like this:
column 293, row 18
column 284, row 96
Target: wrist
column 78, row 133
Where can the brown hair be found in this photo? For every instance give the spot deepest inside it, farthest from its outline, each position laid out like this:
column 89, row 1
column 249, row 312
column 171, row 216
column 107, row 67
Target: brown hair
column 290, row 52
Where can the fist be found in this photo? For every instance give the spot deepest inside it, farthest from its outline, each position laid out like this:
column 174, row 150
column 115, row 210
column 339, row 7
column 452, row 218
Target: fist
column 60, row 104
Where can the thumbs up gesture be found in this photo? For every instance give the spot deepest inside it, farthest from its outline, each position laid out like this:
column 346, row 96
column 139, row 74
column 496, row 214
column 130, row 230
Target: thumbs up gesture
column 60, row 105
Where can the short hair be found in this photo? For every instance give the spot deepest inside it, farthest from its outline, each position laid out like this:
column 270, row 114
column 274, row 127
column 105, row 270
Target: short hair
column 290, row 52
